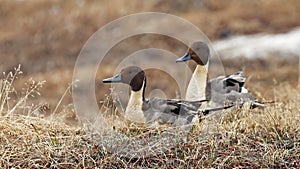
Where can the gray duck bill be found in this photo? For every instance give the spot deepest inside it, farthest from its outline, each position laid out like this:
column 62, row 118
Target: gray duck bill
column 114, row 79
column 185, row 57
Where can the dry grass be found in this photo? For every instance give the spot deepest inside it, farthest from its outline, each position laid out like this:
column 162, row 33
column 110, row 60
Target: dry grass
column 242, row 138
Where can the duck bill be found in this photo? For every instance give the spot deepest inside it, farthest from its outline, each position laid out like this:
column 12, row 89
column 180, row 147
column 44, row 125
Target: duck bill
column 114, row 79
column 187, row 56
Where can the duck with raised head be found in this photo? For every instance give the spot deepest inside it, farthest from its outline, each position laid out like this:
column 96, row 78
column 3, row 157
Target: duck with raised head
column 220, row 90
column 154, row 110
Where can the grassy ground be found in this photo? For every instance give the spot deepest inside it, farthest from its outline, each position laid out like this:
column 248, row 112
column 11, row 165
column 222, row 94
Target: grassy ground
column 241, row 138
column 38, row 129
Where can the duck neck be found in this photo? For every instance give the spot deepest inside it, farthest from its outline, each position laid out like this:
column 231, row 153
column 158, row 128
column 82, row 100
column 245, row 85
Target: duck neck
column 197, row 86
column 134, row 110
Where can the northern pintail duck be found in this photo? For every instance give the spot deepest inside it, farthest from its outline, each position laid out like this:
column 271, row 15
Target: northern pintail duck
column 153, row 110
column 220, row 90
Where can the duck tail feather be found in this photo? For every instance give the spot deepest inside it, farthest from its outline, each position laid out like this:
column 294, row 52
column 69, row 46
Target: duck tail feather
column 256, row 104
column 208, row 111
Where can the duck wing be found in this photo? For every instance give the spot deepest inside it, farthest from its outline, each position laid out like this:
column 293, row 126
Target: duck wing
column 168, row 110
column 234, row 82
column 226, row 84
column 172, row 106
column 234, row 98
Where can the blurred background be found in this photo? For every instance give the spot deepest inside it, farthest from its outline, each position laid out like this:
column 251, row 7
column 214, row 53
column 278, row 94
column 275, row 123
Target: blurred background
column 45, row 37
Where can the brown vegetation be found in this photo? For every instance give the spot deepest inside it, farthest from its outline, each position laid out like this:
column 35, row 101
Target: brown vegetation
column 241, row 137
column 45, row 37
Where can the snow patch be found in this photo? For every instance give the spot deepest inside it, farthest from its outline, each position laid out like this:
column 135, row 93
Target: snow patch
column 260, row 45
